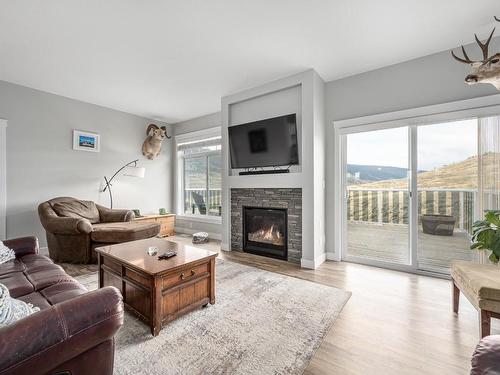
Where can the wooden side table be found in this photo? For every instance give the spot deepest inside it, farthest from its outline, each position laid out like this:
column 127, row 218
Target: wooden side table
column 167, row 223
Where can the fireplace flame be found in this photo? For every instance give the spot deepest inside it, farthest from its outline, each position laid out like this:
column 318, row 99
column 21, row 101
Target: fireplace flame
column 269, row 235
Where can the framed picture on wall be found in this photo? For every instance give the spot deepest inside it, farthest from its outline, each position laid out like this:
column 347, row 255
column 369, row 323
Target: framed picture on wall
column 86, row 141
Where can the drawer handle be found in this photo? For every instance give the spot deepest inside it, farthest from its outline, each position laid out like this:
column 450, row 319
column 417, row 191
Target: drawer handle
column 184, row 277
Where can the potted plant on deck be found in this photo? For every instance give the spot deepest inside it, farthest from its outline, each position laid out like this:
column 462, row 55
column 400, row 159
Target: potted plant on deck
column 486, row 235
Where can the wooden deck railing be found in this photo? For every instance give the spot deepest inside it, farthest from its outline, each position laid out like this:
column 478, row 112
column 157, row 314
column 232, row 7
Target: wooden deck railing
column 391, row 205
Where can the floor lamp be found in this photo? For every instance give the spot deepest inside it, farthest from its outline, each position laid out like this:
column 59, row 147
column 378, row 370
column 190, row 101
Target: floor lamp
column 131, row 170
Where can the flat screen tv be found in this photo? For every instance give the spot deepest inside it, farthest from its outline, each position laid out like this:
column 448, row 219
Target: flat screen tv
column 266, row 143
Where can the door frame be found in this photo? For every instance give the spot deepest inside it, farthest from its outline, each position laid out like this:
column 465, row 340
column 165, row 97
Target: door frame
column 412, row 230
column 412, row 118
column 3, row 179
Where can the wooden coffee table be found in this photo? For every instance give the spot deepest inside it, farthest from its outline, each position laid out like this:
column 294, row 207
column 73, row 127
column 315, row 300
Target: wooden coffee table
column 158, row 291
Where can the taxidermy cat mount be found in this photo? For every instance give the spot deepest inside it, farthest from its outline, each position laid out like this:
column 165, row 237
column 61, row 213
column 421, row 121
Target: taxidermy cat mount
column 151, row 147
column 486, row 70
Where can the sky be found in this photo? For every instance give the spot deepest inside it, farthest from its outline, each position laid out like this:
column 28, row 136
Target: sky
column 438, row 145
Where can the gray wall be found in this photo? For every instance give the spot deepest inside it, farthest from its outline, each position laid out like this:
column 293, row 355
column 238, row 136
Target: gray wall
column 204, row 122
column 428, row 80
column 183, row 225
column 41, row 163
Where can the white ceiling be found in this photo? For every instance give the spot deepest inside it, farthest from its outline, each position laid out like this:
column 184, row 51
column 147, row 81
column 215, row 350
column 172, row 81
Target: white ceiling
column 174, row 59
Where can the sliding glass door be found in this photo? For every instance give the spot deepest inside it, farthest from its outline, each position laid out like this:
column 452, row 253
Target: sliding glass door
column 410, row 195
column 447, row 185
column 377, row 192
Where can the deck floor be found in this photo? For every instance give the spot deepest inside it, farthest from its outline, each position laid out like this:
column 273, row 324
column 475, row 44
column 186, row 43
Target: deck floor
column 389, row 243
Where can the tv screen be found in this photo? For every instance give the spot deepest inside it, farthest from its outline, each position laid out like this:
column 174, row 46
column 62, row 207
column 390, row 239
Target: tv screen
column 265, row 143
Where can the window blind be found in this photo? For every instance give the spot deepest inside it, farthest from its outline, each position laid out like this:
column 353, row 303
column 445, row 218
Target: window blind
column 489, row 163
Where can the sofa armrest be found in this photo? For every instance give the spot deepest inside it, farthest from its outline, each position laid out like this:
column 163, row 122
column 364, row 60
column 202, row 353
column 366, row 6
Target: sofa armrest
column 109, row 215
column 23, row 245
column 51, row 337
column 67, row 225
column 486, row 357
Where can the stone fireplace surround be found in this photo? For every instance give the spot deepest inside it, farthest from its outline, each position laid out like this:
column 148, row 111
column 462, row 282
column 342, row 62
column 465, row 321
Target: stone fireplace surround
column 288, row 198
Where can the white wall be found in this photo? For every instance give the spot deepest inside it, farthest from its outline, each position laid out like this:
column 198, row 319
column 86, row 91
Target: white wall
column 319, row 168
column 428, row 80
column 3, row 178
column 276, row 98
column 184, row 224
column 204, row 122
column 41, row 163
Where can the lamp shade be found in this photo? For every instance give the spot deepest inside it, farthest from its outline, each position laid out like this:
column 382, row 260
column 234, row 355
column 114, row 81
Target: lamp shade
column 134, row 172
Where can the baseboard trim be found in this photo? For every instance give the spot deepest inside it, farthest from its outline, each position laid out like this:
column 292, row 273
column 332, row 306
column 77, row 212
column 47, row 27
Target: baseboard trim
column 211, row 235
column 331, row 256
column 225, row 247
column 313, row 264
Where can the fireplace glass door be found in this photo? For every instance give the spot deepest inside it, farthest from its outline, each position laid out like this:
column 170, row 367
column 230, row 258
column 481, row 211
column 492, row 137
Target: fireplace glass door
column 265, row 231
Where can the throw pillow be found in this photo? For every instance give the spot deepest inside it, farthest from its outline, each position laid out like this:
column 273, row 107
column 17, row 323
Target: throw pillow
column 6, row 254
column 12, row 309
column 78, row 209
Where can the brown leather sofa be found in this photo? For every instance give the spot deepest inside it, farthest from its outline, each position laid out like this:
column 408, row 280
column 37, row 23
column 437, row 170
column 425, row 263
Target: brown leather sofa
column 75, row 228
column 73, row 333
column 486, row 357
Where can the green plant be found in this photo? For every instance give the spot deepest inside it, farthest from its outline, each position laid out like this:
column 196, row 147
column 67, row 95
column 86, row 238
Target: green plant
column 486, row 235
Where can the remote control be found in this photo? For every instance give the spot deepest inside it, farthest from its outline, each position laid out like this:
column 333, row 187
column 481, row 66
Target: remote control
column 167, row 255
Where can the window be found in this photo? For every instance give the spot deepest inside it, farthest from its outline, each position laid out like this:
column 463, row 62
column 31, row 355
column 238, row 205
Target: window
column 199, row 180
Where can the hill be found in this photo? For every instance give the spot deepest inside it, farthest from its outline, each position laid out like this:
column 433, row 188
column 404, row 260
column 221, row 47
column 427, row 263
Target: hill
column 461, row 175
column 369, row 173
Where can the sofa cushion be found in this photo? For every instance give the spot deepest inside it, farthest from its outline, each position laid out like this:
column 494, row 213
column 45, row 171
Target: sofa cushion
column 35, row 261
column 124, row 232
column 12, row 266
column 36, row 299
column 77, row 209
column 13, row 309
column 482, row 280
column 48, row 275
column 63, row 291
column 37, row 280
column 17, row 283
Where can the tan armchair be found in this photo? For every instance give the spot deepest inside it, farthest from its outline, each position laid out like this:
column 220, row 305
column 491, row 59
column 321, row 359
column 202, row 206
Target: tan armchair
column 75, row 228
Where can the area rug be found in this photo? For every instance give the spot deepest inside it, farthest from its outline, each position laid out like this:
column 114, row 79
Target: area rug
column 262, row 323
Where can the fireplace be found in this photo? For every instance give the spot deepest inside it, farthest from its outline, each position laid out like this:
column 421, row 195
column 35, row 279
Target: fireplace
column 265, row 231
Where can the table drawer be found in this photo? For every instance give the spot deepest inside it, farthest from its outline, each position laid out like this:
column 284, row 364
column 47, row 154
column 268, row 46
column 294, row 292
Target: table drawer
column 115, row 266
column 185, row 275
column 137, row 277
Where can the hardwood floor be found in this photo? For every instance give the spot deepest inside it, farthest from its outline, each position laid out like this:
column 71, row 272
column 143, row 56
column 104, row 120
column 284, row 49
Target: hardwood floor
column 394, row 323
